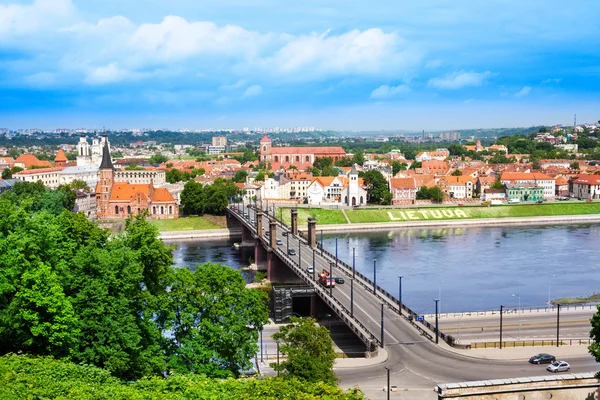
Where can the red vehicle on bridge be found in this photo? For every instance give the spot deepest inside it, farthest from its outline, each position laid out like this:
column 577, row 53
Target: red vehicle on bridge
column 326, row 280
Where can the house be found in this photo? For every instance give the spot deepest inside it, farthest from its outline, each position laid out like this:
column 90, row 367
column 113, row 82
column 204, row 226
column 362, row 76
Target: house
column 348, row 190
column 300, row 157
column 457, row 187
column 85, row 202
column 493, row 194
column 26, row 161
column 524, row 191
column 6, row 162
column 562, row 187
column 482, row 183
column 404, row 191
column 528, row 179
column 586, row 187
column 435, row 167
column 439, row 154
column 50, row 177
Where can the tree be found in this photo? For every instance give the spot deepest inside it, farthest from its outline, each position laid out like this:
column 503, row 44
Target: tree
column 192, row 199
column 397, row 166
column 134, row 167
column 359, row 157
column 594, row 348
column 214, row 320
column 79, row 184
column 457, row 172
column 416, row 164
column 323, row 162
column 536, row 165
column 574, row 165
column 16, row 169
column 423, row 193
column 260, row 177
column 497, row 184
column 436, row 194
column 6, row 174
column 158, row 159
column 308, row 349
column 174, row 175
column 377, row 188
column 240, row 176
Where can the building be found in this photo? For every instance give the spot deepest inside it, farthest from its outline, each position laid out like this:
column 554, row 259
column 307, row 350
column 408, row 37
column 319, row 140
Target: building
column 85, row 202
column 586, row 187
column 300, row 157
column 87, row 173
column 348, row 190
column 61, row 159
column 548, row 183
column 26, row 161
column 50, row 177
column 91, row 154
column 493, row 194
column 457, row 187
column 483, row 183
column 404, row 191
column 219, row 141
column 450, row 135
column 156, row 177
column 119, row 200
column 439, row 154
column 7, row 184
column 524, row 191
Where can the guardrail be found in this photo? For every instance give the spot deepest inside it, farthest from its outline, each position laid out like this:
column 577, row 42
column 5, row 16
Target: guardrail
column 528, row 343
column 516, row 310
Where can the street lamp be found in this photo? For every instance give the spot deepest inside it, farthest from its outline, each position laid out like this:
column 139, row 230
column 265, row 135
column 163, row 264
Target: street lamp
column 440, row 294
column 353, row 262
column 519, row 311
column 374, row 276
column 388, row 382
column 437, row 336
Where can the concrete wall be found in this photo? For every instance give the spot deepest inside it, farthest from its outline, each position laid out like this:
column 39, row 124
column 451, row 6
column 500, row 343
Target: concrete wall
column 557, row 387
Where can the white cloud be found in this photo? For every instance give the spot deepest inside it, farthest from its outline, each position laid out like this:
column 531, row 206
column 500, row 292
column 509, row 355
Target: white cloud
column 551, row 80
column 386, row 92
column 459, row 79
column 252, row 91
column 523, row 92
column 18, row 19
column 106, row 74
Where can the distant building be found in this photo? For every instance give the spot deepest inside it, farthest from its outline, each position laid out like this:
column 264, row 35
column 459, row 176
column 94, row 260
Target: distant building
column 50, row 177
column 450, row 135
column 439, row 154
column 526, row 179
column 85, row 202
column 524, row 191
column 404, row 191
column 219, row 141
column 91, row 154
column 300, row 157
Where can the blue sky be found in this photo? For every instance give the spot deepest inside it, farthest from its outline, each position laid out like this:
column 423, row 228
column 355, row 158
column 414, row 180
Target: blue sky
column 332, row 64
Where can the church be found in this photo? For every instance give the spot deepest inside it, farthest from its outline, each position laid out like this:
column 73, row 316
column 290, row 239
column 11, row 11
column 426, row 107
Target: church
column 299, row 157
column 119, row 200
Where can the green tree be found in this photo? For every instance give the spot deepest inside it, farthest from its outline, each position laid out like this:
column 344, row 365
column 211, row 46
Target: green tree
column 377, row 188
column 497, row 184
column 423, row 193
column 436, row 194
column 174, row 175
column 416, row 164
column 158, row 159
column 214, row 320
column 134, row 167
column 308, row 350
column 240, row 176
column 397, row 166
column 6, row 173
column 457, row 172
column 79, row 184
column 594, row 348
column 574, row 165
column 260, row 177
column 359, row 157
column 536, row 165
column 323, row 162
column 192, row 199
column 16, row 169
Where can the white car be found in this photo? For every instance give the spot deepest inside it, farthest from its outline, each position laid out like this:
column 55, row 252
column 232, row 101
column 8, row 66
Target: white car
column 558, row 366
column 310, row 269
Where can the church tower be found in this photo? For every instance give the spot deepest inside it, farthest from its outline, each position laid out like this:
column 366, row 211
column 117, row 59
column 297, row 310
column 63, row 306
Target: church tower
column 83, row 152
column 105, row 182
column 353, row 194
column 265, row 149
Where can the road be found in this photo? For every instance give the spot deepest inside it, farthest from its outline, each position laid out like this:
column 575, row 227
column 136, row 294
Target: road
column 416, row 364
column 574, row 324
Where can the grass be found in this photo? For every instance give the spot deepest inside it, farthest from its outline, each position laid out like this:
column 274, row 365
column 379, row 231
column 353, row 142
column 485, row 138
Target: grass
column 323, row 216
column 190, row 223
column 595, row 298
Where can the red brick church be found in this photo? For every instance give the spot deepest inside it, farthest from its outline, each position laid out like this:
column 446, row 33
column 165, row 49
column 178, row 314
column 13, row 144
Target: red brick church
column 300, row 157
column 119, row 200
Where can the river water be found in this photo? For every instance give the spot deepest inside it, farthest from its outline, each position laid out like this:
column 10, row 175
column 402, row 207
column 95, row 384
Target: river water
column 468, row 269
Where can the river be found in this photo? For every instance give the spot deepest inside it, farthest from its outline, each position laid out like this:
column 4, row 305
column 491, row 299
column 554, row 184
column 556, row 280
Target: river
column 468, row 269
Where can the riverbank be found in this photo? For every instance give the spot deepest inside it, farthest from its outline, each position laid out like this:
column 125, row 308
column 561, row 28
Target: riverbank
column 595, row 298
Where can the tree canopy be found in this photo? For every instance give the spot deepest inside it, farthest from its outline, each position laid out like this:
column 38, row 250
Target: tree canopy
column 208, row 199
column 377, row 187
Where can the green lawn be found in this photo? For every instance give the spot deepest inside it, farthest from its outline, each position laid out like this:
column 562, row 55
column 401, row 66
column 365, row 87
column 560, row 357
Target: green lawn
column 188, row 224
column 323, row 216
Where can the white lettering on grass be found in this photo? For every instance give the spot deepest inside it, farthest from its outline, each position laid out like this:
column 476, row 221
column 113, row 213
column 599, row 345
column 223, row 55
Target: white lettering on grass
column 413, row 215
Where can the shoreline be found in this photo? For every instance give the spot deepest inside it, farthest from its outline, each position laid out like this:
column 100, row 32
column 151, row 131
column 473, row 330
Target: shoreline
column 208, row 234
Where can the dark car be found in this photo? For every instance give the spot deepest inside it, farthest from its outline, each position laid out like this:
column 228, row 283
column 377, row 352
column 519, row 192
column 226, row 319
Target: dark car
column 542, row 358
column 285, row 233
column 292, row 252
column 540, row 201
column 339, row 280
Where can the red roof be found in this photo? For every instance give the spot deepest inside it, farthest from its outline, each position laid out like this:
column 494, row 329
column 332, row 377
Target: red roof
column 265, row 139
column 60, row 156
column 334, row 150
column 39, row 171
column 403, row 183
column 29, row 160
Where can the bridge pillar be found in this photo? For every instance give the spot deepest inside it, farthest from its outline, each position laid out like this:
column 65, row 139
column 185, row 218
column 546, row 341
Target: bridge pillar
column 273, row 234
column 313, row 306
column 259, row 221
column 294, row 221
column 247, row 236
column 312, row 232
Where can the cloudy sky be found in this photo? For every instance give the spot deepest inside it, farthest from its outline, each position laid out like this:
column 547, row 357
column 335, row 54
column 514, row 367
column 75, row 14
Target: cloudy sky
column 334, row 64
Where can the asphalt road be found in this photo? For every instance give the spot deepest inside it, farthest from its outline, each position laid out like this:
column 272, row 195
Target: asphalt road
column 416, row 364
column 574, row 324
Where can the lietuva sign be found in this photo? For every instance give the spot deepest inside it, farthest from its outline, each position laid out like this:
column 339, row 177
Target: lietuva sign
column 413, row 215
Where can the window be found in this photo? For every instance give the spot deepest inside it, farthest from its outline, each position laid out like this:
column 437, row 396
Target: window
column 129, row 210
column 276, row 158
column 153, row 210
column 162, row 210
column 170, row 209
column 287, row 159
column 116, row 210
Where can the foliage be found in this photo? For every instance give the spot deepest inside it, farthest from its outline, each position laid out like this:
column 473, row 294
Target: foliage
column 6, row 173
column 457, row 172
column 259, row 276
column 134, row 167
column 416, row 164
column 377, row 188
column 594, row 348
column 158, row 159
column 433, row 193
column 240, row 176
column 497, row 184
column 260, row 177
column 308, row 349
column 174, row 175
column 78, row 184
column 397, row 166
column 16, row 169
column 25, row 377
column 33, row 196
column 574, row 165
column 214, row 331
column 248, row 155
column 210, row 199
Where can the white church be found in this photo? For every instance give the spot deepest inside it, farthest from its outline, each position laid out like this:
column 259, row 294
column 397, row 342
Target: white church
column 91, row 155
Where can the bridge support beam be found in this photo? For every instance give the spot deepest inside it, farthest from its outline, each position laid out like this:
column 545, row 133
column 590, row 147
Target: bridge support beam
column 312, row 232
column 294, row 221
column 260, row 255
column 259, row 222
column 273, row 234
column 247, row 237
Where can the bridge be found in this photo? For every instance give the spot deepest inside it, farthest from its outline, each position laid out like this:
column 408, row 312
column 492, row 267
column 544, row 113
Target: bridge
column 368, row 310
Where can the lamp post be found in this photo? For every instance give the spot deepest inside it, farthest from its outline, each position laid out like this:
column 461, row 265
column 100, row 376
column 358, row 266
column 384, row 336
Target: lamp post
column 440, row 294
column 288, row 241
column 352, row 298
column 382, row 330
column 437, row 336
column 321, row 239
column 314, row 266
column 299, row 253
column 261, row 346
column 374, row 276
column 353, row 262
column 519, row 311
column 400, row 294
column 501, row 310
column 277, row 357
column 558, row 325
column 330, row 279
column 388, row 383
column 336, row 258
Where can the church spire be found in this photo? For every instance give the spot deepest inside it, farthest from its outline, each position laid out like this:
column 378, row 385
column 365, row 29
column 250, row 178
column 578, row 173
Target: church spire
column 106, row 160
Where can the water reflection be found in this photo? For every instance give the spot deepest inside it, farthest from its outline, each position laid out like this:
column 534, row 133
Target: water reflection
column 479, row 267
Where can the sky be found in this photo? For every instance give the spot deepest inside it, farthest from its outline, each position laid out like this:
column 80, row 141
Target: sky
column 331, row 64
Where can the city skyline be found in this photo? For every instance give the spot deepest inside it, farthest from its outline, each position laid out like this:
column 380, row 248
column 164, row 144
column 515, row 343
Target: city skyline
column 336, row 65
